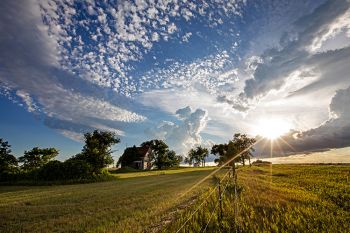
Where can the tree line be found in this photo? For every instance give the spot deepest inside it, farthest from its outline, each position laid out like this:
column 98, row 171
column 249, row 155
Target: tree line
column 40, row 164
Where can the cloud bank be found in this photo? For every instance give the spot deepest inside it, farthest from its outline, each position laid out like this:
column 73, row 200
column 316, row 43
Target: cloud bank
column 333, row 133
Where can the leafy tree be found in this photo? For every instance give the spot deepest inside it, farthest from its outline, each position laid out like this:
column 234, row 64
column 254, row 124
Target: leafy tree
column 197, row 156
column 8, row 162
column 37, row 157
column 97, row 150
column 220, row 150
column 240, row 143
column 162, row 157
column 171, row 160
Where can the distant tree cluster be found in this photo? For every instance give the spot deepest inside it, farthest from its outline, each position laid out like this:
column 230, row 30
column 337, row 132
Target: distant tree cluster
column 239, row 149
column 261, row 162
column 39, row 163
column 197, row 156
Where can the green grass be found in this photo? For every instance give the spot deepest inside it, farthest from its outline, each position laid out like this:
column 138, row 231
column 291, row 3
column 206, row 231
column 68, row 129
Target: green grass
column 284, row 198
column 135, row 202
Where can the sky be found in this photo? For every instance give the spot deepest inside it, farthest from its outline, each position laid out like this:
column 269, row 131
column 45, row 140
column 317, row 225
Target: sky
column 187, row 72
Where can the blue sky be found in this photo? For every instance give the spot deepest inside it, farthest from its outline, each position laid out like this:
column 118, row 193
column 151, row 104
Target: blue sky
column 187, row 72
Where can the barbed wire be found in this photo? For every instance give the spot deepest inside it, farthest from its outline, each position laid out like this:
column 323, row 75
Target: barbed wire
column 216, row 206
column 212, row 173
column 205, row 200
column 196, row 209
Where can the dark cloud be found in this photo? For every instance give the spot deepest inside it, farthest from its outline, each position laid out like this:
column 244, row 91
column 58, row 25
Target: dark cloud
column 294, row 53
column 334, row 133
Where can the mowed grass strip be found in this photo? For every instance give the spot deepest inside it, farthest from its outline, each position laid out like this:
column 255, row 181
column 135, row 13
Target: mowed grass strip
column 132, row 203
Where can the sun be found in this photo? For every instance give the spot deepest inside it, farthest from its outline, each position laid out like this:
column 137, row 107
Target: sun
column 272, row 128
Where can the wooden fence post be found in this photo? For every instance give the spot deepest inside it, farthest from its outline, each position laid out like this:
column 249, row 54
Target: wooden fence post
column 220, row 201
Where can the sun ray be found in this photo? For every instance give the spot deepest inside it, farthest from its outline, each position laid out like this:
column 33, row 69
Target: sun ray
column 285, row 142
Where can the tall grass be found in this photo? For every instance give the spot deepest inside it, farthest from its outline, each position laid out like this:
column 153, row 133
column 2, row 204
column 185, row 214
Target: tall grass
column 293, row 198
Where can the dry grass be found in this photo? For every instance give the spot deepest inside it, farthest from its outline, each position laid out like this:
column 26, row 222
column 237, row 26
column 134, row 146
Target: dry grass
column 286, row 198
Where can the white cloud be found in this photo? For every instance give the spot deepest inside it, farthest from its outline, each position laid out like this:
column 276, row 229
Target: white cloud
column 183, row 135
column 32, row 72
column 27, row 100
column 335, row 27
column 186, row 36
column 128, row 29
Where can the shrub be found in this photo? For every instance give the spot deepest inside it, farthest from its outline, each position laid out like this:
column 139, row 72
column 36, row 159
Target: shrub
column 77, row 169
column 53, row 170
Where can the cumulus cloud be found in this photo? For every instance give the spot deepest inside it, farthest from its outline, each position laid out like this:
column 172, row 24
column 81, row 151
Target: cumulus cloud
column 184, row 134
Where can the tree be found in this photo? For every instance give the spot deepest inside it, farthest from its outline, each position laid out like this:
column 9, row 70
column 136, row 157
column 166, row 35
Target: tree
column 162, row 157
column 8, row 162
column 97, row 150
column 37, row 157
column 220, row 150
column 240, row 143
column 171, row 160
column 197, row 156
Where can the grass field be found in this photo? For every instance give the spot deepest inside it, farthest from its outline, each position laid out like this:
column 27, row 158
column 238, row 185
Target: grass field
column 281, row 198
column 288, row 198
column 133, row 203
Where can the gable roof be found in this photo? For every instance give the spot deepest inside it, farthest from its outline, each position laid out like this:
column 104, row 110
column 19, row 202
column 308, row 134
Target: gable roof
column 142, row 150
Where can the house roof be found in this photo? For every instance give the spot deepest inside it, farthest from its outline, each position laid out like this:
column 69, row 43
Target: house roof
column 142, row 150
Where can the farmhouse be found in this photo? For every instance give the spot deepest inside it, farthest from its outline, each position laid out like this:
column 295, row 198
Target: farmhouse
column 136, row 157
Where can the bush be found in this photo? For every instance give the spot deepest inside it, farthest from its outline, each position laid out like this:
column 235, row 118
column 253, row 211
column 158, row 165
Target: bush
column 53, row 170
column 77, row 169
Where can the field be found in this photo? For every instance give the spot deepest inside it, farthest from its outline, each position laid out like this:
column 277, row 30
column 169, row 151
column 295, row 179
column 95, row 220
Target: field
column 286, row 198
column 281, row 198
column 133, row 203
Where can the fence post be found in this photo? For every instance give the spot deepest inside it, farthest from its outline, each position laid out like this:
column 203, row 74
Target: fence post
column 236, row 204
column 220, row 201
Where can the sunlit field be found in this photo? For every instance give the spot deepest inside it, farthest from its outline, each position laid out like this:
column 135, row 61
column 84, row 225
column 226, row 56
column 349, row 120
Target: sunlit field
column 135, row 202
column 281, row 198
column 286, row 198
